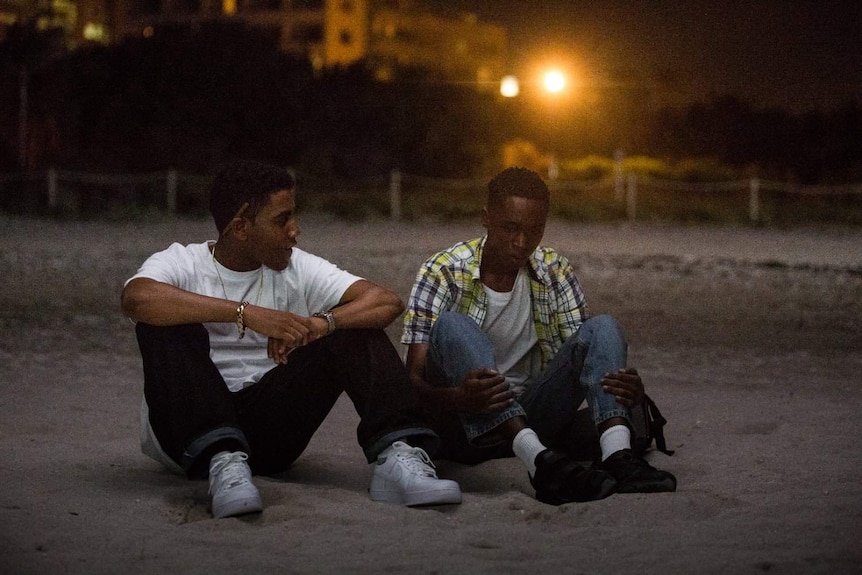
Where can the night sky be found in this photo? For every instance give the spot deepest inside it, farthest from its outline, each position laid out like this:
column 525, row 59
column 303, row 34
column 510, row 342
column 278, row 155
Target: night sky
column 799, row 55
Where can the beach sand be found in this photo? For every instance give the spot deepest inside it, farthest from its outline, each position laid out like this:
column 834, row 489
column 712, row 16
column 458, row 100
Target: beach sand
column 748, row 339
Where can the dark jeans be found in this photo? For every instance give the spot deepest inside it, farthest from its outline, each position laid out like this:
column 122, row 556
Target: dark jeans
column 194, row 415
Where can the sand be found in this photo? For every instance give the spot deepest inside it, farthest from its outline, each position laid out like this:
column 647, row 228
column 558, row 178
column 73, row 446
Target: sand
column 748, row 339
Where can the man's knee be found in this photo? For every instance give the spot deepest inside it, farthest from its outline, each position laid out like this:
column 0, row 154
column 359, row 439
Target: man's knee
column 453, row 320
column 171, row 338
column 604, row 326
column 451, row 326
column 351, row 337
column 604, row 321
column 358, row 345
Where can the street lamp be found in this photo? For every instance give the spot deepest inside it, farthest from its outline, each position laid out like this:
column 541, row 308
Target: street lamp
column 554, row 83
column 509, row 87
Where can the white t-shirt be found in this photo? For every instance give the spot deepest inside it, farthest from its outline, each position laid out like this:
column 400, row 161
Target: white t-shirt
column 307, row 285
column 509, row 325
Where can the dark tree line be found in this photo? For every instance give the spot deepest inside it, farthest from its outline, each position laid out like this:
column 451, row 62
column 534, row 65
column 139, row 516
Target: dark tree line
column 816, row 147
column 192, row 99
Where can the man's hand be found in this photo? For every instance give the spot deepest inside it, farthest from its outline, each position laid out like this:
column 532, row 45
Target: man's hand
column 484, row 391
column 278, row 349
column 286, row 331
column 625, row 385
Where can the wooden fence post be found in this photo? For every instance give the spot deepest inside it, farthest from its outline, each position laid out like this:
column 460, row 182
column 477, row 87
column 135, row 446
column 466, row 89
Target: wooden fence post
column 171, row 202
column 619, row 176
column 53, row 190
column 631, row 197
column 395, row 195
column 754, row 200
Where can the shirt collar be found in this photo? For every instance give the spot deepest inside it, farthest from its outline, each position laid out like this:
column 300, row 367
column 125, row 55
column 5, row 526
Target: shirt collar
column 533, row 267
column 477, row 269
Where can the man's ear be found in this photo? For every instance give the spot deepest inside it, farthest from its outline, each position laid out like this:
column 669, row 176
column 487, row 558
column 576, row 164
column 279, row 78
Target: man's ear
column 239, row 227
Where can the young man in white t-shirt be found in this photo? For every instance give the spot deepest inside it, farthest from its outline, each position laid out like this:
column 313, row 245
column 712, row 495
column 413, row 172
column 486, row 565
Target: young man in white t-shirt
column 247, row 342
column 503, row 355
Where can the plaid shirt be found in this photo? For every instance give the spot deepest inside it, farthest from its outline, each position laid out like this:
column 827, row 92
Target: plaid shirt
column 449, row 281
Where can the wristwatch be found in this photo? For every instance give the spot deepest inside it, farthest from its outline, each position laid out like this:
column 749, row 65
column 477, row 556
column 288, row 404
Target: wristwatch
column 330, row 321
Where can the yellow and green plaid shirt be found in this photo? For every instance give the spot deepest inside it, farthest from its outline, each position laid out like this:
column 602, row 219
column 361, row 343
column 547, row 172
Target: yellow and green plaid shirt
column 449, row 281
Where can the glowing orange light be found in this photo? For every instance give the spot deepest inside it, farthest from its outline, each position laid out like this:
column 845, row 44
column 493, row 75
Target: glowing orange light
column 509, row 87
column 554, row 81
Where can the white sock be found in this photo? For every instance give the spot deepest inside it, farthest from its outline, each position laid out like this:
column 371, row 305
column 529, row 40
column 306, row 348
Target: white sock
column 615, row 438
column 527, row 446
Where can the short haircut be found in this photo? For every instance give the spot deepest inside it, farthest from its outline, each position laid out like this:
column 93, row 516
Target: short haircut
column 518, row 182
column 245, row 181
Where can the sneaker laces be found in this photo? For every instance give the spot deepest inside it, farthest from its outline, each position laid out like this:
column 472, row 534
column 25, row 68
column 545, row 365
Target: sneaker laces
column 416, row 460
column 230, row 470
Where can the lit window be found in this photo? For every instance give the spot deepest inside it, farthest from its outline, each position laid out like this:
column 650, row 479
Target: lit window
column 95, row 32
column 384, row 74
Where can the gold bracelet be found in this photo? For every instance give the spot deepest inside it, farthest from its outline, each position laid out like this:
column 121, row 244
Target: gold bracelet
column 240, row 321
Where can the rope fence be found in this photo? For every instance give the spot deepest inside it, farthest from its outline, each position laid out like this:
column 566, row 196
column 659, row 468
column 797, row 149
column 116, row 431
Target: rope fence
column 397, row 195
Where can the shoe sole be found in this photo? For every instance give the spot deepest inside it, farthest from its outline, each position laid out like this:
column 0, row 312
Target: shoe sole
column 421, row 499
column 608, row 488
column 657, row 487
column 236, row 507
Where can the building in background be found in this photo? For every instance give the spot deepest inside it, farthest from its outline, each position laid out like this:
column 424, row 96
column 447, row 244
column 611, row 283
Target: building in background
column 458, row 49
column 387, row 35
column 79, row 21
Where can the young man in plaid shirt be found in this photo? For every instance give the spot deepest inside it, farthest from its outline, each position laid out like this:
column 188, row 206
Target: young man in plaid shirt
column 504, row 355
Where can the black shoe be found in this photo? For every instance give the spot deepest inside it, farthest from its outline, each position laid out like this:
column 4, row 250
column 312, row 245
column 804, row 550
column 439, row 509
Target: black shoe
column 634, row 475
column 560, row 480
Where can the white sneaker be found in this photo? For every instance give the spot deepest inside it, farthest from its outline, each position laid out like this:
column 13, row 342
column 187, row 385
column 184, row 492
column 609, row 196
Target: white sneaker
column 231, row 488
column 404, row 475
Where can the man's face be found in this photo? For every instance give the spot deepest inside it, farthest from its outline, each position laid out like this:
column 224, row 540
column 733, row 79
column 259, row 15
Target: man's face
column 515, row 227
column 273, row 233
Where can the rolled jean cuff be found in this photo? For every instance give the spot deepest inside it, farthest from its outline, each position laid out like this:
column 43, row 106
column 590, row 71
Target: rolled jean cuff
column 476, row 426
column 606, row 415
column 414, row 436
column 201, row 444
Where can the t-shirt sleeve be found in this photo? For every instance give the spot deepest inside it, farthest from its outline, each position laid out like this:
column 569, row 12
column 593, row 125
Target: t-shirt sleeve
column 174, row 265
column 323, row 282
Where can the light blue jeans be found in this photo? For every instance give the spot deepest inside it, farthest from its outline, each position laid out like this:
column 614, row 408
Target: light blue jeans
column 457, row 345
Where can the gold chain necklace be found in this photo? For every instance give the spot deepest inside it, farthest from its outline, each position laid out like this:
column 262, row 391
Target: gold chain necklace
column 221, row 281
